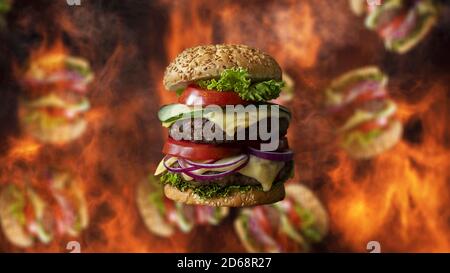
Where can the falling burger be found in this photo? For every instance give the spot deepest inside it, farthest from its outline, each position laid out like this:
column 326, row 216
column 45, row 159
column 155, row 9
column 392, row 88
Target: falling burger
column 54, row 207
column 363, row 113
column 164, row 217
column 292, row 225
column 402, row 24
column 218, row 157
column 54, row 104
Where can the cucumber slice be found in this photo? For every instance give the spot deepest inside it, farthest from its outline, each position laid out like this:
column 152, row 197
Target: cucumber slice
column 171, row 111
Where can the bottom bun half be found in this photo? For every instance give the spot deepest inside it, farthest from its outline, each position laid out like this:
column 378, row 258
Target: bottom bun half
column 237, row 199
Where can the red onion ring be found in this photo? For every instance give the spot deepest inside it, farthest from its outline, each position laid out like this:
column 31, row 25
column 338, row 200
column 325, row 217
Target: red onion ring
column 216, row 165
column 202, row 177
column 177, row 170
column 273, row 156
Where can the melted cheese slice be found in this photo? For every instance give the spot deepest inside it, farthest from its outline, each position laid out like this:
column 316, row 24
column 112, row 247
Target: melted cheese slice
column 230, row 122
column 262, row 170
column 227, row 122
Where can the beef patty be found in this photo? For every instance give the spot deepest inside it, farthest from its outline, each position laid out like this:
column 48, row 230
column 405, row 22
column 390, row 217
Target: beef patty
column 184, row 129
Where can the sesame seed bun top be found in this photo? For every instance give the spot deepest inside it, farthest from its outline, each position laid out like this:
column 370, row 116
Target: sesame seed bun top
column 206, row 62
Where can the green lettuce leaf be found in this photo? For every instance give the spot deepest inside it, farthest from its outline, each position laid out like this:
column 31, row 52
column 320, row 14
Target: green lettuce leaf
column 79, row 66
column 218, row 215
column 17, row 208
column 308, row 225
column 206, row 191
column 238, row 80
column 179, row 91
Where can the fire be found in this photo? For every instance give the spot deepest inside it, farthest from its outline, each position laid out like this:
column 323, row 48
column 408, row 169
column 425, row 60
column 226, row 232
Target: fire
column 23, row 149
column 56, row 48
column 402, row 198
column 43, row 52
column 16, row 163
column 292, row 41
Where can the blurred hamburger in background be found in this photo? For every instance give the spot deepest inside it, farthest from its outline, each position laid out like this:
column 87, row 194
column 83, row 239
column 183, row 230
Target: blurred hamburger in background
column 291, row 225
column 55, row 101
column 42, row 211
column 364, row 115
column 402, row 24
column 164, row 217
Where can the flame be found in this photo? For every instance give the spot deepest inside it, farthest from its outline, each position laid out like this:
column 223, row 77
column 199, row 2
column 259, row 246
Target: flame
column 45, row 51
column 23, row 149
column 57, row 48
column 292, row 40
column 402, row 201
column 18, row 160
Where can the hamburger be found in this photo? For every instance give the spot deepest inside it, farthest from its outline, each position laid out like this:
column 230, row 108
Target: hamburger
column 163, row 217
column 363, row 113
column 402, row 24
column 55, row 102
column 291, row 225
column 216, row 157
column 39, row 213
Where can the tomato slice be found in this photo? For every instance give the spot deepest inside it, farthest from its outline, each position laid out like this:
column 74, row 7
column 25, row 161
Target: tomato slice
column 60, row 112
column 168, row 205
column 394, row 24
column 286, row 243
column 196, row 151
column 373, row 124
column 194, row 95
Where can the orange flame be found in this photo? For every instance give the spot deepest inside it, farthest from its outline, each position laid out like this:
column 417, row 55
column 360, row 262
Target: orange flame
column 46, row 49
column 23, row 149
